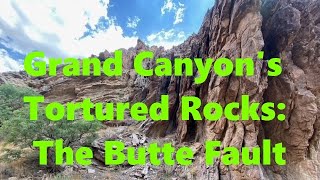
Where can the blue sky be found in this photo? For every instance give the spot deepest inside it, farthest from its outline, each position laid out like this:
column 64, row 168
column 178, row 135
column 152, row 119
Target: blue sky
column 67, row 29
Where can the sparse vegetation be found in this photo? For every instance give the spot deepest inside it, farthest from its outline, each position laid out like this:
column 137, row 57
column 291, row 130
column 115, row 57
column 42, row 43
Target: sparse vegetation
column 17, row 129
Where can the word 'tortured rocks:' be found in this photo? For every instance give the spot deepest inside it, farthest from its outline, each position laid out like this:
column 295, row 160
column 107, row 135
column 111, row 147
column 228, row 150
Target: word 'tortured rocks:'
column 158, row 111
column 116, row 154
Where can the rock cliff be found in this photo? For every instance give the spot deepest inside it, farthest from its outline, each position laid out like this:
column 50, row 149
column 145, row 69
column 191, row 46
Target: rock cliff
column 288, row 29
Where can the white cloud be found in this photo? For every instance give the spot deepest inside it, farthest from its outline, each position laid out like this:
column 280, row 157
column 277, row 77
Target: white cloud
column 179, row 14
column 7, row 63
column 178, row 10
column 167, row 39
column 133, row 23
column 110, row 39
column 167, row 6
column 57, row 27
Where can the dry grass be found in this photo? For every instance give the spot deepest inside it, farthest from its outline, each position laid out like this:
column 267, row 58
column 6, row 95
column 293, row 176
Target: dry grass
column 19, row 168
column 22, row 167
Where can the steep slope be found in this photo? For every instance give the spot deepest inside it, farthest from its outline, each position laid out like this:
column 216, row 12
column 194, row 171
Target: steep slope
column 286, row 29
column 231, row 29
column 292, row 31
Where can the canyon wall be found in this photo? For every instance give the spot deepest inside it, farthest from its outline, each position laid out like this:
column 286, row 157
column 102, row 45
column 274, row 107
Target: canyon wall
column 288, row 29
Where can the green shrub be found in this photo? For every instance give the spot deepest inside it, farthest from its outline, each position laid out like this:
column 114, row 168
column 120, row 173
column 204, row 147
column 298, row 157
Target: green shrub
column 11, row 99
column 17, row 128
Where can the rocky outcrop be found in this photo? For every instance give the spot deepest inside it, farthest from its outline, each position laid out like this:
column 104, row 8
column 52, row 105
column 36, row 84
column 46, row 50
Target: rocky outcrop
column 292, row 31
column 231, row 29
column 286, row 29
column 15, row 78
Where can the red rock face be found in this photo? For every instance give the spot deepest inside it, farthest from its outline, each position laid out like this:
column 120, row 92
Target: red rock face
column 292, row 31
column 286, row 29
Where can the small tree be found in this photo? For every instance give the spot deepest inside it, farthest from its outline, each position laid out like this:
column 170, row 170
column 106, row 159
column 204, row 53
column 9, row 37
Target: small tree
column 17, row 128
column 11, row 100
